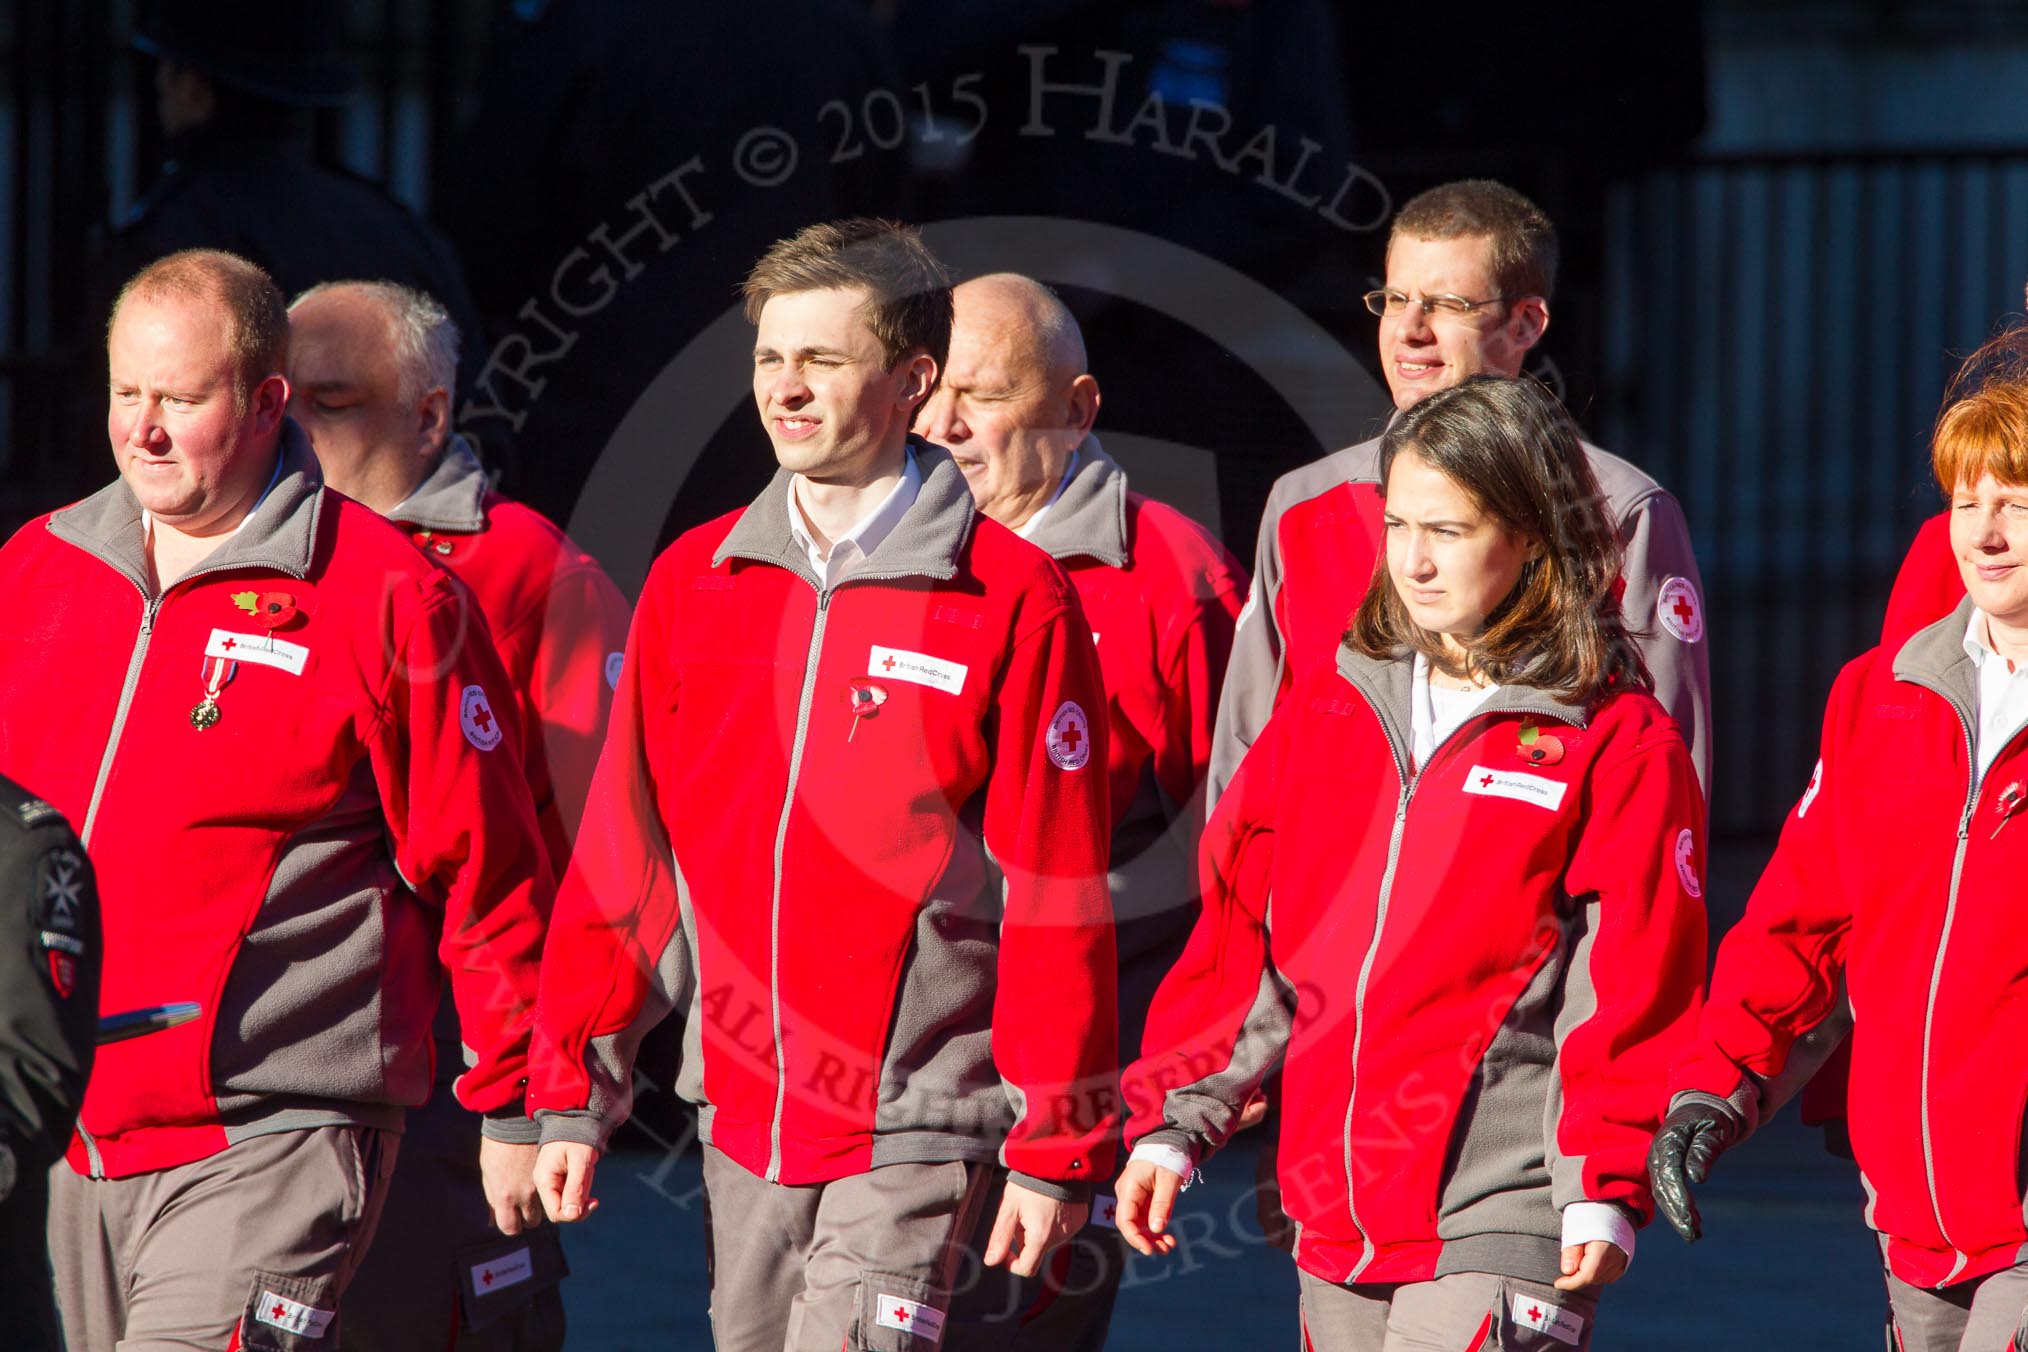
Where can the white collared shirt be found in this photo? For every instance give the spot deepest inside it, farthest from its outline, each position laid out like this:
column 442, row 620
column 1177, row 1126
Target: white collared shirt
column 2003, row 693
column 1027, row 530
column 849, row 550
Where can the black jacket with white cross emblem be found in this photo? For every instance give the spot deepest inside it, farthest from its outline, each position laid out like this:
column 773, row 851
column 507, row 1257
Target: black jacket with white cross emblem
column 49, row 982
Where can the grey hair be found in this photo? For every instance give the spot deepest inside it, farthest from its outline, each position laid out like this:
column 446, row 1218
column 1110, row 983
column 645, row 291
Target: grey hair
column 426, row 338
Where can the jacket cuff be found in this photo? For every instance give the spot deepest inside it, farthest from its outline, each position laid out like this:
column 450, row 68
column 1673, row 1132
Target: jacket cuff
column 509, row 1125
column 580, row 1126
column 1742, row 1105
column 1049, row 1187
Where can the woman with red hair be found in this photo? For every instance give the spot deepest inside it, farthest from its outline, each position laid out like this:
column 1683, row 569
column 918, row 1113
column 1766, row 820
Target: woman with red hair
column 1898, row 880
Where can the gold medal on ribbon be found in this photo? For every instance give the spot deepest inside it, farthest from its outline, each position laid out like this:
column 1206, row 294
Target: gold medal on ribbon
column 217, row 672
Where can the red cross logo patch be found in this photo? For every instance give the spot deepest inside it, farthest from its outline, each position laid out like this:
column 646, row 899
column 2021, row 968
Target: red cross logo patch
column 1069, row 737
column 1679, row 609
column 475, row 716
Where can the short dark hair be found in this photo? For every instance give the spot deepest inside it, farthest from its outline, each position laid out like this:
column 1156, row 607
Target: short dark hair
column 256, row 319
column 1509, row 445
column 1524, row 242
column 909, row 291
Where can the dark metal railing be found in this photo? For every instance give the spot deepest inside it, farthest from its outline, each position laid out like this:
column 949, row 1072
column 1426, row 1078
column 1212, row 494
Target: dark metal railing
column 1778, row 333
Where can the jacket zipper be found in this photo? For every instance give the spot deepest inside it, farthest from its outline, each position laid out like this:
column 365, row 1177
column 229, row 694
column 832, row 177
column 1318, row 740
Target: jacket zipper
column 133, row 680
column 803, row 704
column 1408, row 786
column 134, row 660
column 150, row 607
column 1936, row 980
column 775, row 906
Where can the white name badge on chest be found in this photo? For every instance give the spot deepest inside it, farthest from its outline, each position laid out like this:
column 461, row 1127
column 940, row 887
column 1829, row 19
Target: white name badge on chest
column 263, row 650
column 898, row 664
column 1522, row 787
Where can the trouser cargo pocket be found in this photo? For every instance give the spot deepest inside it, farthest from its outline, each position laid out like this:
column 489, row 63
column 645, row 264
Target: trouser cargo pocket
column 290, row 1314
column 500, row 1277
column 899, row 1314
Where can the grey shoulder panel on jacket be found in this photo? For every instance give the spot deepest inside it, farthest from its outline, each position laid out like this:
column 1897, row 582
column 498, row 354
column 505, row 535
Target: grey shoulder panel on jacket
column 1358, row 463
column 1625, row 484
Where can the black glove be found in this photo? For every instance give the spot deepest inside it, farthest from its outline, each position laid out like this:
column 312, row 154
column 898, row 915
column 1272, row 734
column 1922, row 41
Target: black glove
column 1692, row 1136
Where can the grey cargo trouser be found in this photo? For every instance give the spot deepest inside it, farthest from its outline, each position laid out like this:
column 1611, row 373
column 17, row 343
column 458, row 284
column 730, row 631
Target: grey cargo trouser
column 863, row 1262
column 1462, row 1312
column 256, row 1242
column 1986, row 1314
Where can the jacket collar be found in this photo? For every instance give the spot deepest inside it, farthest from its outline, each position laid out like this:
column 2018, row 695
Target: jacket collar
column 1090, row 518
column 1935, row 657
column 280, row 534
column 1388, row 687
column 452, row 497
column 926, row 542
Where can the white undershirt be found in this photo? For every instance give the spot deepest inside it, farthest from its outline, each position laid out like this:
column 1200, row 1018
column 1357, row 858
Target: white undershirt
column 1435, row 713
column 849, row 550
column 2003, row 694
column 1027, row 530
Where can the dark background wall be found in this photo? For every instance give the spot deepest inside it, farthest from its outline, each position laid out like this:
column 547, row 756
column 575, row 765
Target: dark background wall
column 1779, row 223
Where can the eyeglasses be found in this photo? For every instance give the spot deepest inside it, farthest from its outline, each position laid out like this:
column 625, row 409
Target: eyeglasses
column 1385, row 302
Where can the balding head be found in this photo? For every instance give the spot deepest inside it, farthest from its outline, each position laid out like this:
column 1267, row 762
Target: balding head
column 238, row 293
column 1015, row 401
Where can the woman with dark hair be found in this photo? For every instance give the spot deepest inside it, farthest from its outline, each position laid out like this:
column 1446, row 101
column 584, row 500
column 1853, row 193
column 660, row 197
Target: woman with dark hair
column 1454, row 890
column 1897, row 884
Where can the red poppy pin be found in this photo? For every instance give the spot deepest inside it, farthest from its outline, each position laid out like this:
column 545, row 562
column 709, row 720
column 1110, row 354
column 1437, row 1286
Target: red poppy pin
column 865, row 697
column 270, row 610
column 2007, row 804
column 1538, row 747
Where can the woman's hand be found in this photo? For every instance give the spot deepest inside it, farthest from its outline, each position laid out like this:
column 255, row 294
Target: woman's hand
column 1146, row 1190
column 1597, row 1263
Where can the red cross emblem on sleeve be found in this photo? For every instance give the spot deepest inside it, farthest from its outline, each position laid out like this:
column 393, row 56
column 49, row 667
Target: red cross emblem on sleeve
column 1068, row 746
column 1678, row 608
column 887, row 665
column 1485, row 781
column 475, row 717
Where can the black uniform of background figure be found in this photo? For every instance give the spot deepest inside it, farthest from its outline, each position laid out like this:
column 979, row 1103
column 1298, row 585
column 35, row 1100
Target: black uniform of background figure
column 49, row 1005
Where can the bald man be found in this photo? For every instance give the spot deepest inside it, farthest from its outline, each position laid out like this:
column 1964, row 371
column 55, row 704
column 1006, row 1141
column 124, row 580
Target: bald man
column 372, row 366
column 1016, row 408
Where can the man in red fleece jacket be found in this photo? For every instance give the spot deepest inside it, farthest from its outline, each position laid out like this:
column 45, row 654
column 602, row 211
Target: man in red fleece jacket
column 1016, row 407
column 299, row 777
column 372, row 366
column 852, row 819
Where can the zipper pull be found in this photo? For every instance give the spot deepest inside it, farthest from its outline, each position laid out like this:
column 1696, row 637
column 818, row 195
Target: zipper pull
column 2011, row 800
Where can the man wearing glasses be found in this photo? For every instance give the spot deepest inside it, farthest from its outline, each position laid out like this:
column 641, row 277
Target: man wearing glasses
column 1470, row 266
